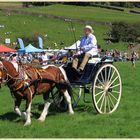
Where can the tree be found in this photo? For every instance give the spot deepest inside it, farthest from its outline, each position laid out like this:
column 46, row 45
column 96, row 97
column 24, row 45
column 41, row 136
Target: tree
column 122, row 31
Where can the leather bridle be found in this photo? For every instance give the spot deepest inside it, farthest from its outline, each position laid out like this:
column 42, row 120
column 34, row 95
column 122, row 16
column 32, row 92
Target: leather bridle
column 6, row 78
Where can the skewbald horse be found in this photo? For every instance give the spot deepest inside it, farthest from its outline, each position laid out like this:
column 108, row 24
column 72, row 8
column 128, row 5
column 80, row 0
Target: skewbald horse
column 20, row 87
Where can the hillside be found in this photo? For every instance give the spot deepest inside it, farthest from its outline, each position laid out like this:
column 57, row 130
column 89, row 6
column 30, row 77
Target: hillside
column 26, row 25
column 87, row 13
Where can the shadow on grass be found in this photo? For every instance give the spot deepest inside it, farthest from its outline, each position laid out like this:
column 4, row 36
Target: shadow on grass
column 53, row 110
column 38, row 108
column 86, row 108
column 11, row 116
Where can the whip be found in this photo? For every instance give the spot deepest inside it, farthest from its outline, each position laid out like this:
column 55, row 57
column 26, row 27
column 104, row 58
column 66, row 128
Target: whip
column 73, row 31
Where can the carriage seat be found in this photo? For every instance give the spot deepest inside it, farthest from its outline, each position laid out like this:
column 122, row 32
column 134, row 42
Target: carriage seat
column 96, row 59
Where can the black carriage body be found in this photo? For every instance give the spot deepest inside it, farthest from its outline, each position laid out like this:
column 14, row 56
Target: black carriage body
column 88, row 75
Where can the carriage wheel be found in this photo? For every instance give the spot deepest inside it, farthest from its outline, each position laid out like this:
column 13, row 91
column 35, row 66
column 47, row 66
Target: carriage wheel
column 107, row 89
column 59, row 101
column 76, row 95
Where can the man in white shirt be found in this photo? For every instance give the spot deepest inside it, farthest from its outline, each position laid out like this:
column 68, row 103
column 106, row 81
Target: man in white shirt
column 87, row 48
column 44, row 58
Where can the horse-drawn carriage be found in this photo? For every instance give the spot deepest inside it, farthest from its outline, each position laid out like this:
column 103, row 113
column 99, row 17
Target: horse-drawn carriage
column 101, row 79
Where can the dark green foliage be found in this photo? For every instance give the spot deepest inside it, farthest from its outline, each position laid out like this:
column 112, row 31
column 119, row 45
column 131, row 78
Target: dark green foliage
column 133, row 11
column 117, row 4
column 122, row 31
column 27, row 4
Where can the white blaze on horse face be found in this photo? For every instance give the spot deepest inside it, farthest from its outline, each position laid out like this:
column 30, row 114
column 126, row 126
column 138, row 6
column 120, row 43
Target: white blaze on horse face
column 68, row 99
column 44, row 112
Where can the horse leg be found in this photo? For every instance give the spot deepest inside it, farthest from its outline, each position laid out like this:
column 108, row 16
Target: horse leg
column 68, row 99
column 27, row 114
column 16, row 108
column 46, row 108
column 28, row 108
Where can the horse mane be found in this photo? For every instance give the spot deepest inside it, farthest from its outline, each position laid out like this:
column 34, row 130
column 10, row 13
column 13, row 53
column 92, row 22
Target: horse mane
column 10, row 68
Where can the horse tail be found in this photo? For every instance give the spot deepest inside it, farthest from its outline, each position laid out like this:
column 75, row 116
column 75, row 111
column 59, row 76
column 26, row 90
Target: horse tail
column 69, row 88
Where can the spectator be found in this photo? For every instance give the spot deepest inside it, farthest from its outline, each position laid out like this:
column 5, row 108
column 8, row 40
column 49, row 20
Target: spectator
column 44, row 58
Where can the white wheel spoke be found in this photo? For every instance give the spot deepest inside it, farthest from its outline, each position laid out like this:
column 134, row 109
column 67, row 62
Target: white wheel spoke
column 105, row 75
column 105, row 104
column 108, row 103
column 113, row 81
column 102, row 77
column 99, row 93
column 111, row 100
column 113, row 96
column 100, row 98
column 102, row 103
column 115, row 91
column 99, row 87
column 115, row 86
column 112, row 76
column 100, row 82
column 109, row 73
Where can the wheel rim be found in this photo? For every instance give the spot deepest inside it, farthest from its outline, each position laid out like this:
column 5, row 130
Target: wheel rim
column 107, row 89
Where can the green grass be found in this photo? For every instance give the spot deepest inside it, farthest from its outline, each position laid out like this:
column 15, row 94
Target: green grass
column 87, row 13
column 57, row 30
column 85, row 123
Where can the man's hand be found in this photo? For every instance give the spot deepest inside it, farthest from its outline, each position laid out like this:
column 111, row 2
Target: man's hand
column 77, row 53
column 82, row 48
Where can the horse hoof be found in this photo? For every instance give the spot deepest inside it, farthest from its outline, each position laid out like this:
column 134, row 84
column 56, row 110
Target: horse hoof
column 23, row 114
column 71, row 113
column 27, row 123
column 41, row 119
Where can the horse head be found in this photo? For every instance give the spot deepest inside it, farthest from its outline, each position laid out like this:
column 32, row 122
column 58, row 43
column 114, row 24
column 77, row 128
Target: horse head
column 2, row 73
column 7, row 71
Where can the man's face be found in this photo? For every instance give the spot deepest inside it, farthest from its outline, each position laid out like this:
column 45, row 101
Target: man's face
column 87, row 31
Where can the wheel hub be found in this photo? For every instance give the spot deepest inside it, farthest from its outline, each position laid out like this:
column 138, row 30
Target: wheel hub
column 106, row 88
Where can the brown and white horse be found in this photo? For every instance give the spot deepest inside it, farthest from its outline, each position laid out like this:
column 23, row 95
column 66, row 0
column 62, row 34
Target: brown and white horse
column 20, row 86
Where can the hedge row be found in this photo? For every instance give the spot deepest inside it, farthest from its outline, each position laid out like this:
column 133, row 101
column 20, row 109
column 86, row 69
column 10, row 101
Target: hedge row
column 108, row 7
column 133, row 11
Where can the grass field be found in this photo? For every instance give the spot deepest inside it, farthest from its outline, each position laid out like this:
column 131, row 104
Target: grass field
column 86, row 122
column 58, row 30
column 87, row 13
